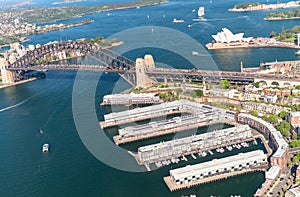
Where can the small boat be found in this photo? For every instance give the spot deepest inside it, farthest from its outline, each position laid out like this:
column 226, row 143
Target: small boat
column 210, row 152
column 45, row 148
column 201, row 12
column 178, row 20
column 195, row 53
column 203, row 154
column 297, row 53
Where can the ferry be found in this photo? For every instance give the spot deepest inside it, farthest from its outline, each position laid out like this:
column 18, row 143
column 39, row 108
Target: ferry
column 45, row 148
column 178, row 20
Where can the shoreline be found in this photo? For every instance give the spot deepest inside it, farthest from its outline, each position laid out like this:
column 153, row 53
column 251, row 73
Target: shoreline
column 281, row 19
column 257, row 43
column 274, row 6
column 18, row 83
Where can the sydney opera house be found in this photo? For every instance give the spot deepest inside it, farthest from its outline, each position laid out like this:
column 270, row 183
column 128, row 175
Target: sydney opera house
column 226, row 36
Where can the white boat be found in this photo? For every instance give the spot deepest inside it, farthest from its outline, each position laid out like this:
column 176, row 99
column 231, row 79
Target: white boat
column 203, row 154
column 210, row 152
column 194, row 157
column 297, row 53
column 178, row 20
column 45, row 148
column 229, row 148
column 222, row 150
column 201, row 12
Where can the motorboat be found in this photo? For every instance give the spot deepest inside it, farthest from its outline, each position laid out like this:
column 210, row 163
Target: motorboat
column 45, row 148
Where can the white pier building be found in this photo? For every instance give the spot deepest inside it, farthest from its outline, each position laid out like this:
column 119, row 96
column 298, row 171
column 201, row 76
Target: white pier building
column 193, row 173
column 178, row 147
column 132, row 98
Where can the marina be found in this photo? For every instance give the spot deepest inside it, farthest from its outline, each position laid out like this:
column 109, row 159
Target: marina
column 194, row 144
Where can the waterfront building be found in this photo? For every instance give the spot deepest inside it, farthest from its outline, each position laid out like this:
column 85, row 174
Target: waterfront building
column 180, row 106
column 226, row 36
column 193, row 173
column 176, row 123
column 182, row 146
column 280, row 156
column 271, row 176
column 132, row 98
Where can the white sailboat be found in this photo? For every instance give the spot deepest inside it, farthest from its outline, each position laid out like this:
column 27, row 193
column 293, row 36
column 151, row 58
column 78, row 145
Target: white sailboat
column 201, row 12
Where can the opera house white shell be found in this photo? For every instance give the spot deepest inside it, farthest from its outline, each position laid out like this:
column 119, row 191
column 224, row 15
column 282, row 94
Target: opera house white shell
column 226, row 36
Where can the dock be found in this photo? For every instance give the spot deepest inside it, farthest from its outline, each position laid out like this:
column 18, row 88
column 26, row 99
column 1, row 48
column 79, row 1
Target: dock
column 216, row 169
column 173, row 187
column 118, row 140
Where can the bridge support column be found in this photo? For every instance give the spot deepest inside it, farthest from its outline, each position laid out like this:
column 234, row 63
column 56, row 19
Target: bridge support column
column 141, row 65
column 7, row 75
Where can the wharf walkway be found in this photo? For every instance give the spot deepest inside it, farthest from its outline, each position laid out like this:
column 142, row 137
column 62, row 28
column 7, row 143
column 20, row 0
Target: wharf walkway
column 118, row 140
column 104, row 125
column 228, row 143
column 173, row 187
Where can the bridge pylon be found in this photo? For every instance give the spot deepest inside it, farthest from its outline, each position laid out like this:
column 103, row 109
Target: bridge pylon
column 7, row 75
column 141, row 66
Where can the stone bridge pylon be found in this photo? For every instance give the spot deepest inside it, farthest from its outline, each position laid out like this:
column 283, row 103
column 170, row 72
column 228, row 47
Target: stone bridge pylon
column 141, row 67
column 7, row 75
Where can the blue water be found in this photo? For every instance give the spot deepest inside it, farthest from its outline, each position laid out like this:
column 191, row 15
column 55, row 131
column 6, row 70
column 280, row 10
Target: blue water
column 46, row 105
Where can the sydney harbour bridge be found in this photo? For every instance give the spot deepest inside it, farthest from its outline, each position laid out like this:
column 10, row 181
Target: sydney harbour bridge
column 141, row 72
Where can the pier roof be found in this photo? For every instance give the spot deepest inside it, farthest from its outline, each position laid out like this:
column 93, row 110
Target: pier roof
column 216, row 164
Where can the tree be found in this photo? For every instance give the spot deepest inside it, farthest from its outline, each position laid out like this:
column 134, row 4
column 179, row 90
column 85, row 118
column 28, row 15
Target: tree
column 273, row 118
column 294, row 143
column 295, row 159
column 283, row 114
column 284, row 128
column 254, row 113
column 178, row 91
column 198, row 93
column 265, row 117
column 224, row 84
column 294, row 136
column 256, row 84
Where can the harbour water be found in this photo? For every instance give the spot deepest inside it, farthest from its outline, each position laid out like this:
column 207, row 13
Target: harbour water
column 69, row 169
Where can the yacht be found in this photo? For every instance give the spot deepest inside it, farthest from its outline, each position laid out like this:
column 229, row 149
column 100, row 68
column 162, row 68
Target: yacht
column 45, row 148
column 201, row 12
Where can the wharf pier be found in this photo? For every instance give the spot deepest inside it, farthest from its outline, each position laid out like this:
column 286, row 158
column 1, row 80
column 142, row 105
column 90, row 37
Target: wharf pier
column 174, row 187
column 137, row 114
column 164, row 131
column 216, row 169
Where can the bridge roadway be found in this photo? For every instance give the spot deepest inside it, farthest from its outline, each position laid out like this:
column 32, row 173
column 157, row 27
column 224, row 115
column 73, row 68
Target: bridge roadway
column 111, row 61
column 208, row 76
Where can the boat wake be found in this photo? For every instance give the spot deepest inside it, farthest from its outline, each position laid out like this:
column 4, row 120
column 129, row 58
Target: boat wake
column 16, row 105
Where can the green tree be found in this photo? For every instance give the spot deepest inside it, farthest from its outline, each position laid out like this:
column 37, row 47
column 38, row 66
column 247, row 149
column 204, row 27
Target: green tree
column 256, row 84
column 283, row 114
column 178, row 91
column 284, row 128
column 224, row 84
column 273, row 118
column 294, row 143
column 254, row 113
column 294, row 136
column 295, row 159
column 198, row 93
